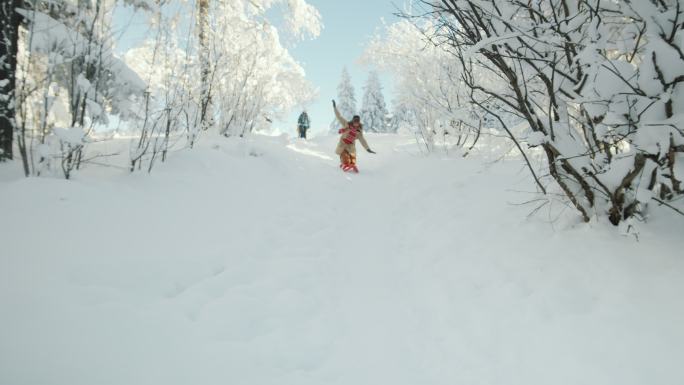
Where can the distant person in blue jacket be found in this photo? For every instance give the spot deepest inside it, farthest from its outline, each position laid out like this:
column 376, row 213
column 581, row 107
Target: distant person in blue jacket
column 303, row 124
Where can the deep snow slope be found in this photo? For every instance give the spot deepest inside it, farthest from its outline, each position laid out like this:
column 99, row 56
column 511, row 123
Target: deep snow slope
column 258, row 262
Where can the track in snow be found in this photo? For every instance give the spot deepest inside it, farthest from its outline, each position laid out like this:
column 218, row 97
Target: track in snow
column 261, row 263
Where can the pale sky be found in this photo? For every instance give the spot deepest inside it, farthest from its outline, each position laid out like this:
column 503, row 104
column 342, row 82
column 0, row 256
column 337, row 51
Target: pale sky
column 348, row 25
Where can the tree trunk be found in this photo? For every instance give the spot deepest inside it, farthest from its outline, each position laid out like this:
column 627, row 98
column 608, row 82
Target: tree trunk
column 9, row 43
column 205, row 68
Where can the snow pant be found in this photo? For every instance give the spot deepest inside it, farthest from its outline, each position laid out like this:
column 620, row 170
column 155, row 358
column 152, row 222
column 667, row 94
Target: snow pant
column 302, row 132
column 347, row 159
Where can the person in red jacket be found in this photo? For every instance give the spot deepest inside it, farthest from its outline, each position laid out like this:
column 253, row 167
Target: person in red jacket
column 346, row 147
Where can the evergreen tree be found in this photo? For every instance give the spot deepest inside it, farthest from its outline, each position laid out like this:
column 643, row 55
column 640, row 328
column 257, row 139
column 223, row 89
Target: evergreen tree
column 374, row 110
column 346, row 101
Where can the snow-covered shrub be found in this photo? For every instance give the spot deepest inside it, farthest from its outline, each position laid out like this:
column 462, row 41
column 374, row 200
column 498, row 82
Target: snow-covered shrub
column 67, row 76
column 598, row 83
column 430, row 100
column 233, row 76
column 205, row 65
column 230, row 75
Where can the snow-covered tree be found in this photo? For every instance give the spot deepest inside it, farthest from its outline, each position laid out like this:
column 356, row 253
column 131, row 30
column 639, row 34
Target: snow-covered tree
column 245, row 81
column 9, row 40
column 403, row 119
column 429, row 93
column 374, row 110
column 256, row 77
column 346, row 99
column 598, row 84
column 205, row 66
column 68, row 80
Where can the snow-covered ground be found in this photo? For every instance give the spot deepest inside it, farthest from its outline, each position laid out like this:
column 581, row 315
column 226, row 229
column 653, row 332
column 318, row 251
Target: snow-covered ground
column 258, row 262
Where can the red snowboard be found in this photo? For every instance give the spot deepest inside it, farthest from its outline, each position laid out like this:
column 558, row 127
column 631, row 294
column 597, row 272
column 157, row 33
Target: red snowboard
column 349, row 168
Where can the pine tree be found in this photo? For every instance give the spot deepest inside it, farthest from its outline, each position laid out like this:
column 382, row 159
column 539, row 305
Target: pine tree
column 374, row 110
column 346, row 101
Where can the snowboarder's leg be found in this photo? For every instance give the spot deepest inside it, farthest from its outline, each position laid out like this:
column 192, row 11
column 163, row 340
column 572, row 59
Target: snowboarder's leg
column 352, row 163
column 345, row 160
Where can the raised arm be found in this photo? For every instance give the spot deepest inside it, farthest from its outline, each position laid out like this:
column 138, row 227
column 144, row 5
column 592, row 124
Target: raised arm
column 339, row 116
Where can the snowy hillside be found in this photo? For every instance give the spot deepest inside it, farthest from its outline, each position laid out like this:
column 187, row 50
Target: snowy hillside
column 258, row 262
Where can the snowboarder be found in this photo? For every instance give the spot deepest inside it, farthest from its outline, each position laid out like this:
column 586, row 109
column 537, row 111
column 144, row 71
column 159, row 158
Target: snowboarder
column 346, row 148
column 303, row 124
